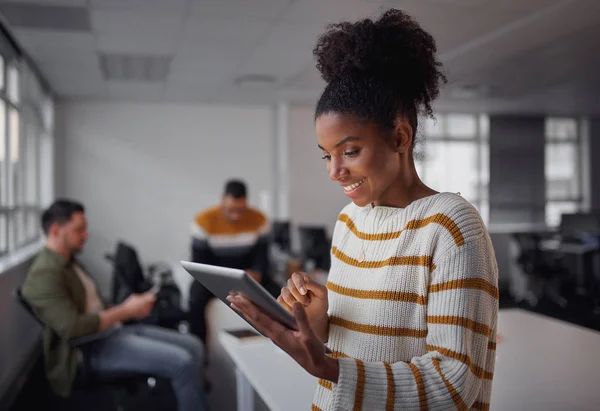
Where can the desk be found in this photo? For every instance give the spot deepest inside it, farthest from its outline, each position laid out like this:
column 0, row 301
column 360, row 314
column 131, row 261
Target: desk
column 281, row 383
column 542, row 364
column 580, row 250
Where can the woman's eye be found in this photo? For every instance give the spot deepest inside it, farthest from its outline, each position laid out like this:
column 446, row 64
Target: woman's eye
column 326, row 157
column 351, row 153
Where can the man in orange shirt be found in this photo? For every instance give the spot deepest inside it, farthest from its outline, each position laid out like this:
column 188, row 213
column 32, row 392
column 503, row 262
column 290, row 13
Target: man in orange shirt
column 234, row 235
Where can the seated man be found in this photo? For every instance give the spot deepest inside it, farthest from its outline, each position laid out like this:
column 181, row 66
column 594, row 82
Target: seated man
column 64, row 297
column 230, row 235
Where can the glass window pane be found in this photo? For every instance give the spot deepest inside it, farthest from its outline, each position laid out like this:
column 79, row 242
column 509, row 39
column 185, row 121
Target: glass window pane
column 16, row 191
column 561, row 129
column 3, row 179
column 3, row 234
column 452, row 166
column 434, row 127
column 31, row 165
column 555, row 209
column 484, row 126
column 461, row 125
column 1, row 72
column 19, row 220
column 33, row 225
column 13, row 84
column 562, row 179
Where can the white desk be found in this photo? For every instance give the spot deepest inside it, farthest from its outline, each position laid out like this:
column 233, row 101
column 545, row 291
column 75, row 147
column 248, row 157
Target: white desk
column 542, row 364
column 281, row 383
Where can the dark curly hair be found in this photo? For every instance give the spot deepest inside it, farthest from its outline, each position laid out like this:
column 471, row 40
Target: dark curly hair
column 378, row 70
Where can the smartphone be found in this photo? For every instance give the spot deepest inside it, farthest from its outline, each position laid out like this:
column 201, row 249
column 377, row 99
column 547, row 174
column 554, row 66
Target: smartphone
column 155, row 289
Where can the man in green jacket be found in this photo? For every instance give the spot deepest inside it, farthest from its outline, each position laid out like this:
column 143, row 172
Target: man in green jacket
column 64, row 297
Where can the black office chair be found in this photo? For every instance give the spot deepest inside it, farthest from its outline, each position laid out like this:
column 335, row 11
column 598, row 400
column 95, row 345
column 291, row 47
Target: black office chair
column 280, row 235
column 545, row 270
column 129, row 278
column 315, row 246
column 86, row 378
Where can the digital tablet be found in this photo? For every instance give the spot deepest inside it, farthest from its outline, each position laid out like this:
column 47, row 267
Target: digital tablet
column 222, row 281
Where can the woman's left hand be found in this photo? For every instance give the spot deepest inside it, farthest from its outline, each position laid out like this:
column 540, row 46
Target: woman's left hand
column 302, row 345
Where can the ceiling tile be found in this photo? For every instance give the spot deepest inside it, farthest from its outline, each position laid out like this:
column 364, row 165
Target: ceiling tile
column 309, row 78
column 199, row 72
column 269, row 10
column 49, row 2
column 323, row 12
column 148, row 5
column 134, row 44
column 288, row 47
column 136, row 91
column 238, row 34
column 191, row 93
column 46, row 17
column 166, row 26
column 77, row 42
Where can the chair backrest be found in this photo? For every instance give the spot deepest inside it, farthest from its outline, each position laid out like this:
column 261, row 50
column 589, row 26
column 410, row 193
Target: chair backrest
column 129, row 269
column 280, row 234
column 23, row 302
column 315, row 245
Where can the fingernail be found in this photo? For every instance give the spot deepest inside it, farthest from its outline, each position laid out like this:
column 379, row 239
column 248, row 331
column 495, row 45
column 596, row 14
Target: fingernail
column 302, row 290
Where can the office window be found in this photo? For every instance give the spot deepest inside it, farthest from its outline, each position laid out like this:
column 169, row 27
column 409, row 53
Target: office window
column 562, row 169
column 25, row 135
column 454, row 157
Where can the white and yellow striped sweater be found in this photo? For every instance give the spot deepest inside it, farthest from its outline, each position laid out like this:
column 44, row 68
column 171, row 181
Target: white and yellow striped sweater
column 413, row 304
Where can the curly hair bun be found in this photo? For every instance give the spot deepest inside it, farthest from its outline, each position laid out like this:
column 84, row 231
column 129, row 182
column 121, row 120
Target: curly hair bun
column 393, row 51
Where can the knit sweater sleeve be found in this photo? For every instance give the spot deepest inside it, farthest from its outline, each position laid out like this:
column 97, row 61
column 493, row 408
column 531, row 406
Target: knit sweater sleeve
column 462, row 311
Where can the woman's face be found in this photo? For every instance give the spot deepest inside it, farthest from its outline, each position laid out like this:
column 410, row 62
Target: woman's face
column 359, row 158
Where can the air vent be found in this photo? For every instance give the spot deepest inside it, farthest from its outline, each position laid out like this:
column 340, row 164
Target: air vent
column 129, row 67
column 35, row 16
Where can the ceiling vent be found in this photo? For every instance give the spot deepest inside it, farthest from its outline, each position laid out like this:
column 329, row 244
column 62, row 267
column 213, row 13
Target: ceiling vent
column 139, row 68
column 35, row 16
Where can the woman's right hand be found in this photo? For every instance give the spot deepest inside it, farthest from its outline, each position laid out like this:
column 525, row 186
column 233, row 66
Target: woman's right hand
column 313, row 296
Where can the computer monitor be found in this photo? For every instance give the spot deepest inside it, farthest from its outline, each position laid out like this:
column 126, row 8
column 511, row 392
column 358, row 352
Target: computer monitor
column 573, row 225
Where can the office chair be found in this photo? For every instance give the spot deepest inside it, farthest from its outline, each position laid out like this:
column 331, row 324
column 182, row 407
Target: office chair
column 129, row 278
column 86, row 378
column 280, row 235
column 315, row 247
column 545, row 270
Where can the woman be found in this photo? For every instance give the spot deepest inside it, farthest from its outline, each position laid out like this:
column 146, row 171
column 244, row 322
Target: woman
column 411, row 302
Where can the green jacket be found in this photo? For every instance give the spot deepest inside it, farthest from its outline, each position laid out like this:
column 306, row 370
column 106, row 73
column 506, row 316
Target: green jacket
column 58, row 298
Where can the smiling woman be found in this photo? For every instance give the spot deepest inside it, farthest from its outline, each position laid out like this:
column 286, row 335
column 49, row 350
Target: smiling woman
column 411, row 303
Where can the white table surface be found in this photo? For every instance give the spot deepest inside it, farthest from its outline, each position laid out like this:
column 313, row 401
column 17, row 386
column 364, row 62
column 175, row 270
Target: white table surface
column 542, row 364
column 281, row 383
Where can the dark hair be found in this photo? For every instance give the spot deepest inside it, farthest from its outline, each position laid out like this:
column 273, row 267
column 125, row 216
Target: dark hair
column 235, row 188
column 378, row 70
column 60, row 212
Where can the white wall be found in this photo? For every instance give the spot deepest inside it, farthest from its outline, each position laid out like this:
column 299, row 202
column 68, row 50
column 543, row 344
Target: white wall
column 314, row 198
column 143, row 171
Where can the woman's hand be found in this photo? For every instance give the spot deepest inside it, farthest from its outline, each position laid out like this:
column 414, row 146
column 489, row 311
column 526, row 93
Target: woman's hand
column 303, row 345
column 312, row 296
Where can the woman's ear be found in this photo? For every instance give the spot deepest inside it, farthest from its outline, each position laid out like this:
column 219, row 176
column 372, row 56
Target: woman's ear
column 403, row 135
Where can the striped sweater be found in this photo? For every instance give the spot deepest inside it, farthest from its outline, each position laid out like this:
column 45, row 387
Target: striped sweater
column 413, row 305
column 243, row 244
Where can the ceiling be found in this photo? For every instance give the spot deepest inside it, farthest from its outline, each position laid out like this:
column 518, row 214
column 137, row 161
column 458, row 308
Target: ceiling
column 500, row 55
